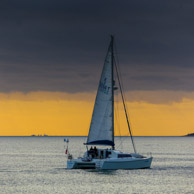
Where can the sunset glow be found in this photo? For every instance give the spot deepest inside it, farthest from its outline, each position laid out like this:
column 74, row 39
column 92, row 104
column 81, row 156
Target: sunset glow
column 58, row 113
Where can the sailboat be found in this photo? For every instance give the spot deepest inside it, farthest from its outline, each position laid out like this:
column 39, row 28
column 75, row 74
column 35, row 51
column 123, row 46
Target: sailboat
column 101, row 132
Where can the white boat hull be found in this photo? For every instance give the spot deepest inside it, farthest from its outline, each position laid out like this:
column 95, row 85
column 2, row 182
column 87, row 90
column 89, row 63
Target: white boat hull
column 79, row 164
column 139, row 163
column 110, row 164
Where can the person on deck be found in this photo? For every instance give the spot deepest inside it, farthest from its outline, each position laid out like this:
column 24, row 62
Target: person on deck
column 95, row 151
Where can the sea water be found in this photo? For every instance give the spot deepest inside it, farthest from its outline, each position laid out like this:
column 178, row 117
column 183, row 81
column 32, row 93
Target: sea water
column 38, row 165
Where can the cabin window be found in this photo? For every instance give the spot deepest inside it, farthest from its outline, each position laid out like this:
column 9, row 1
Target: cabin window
column 124, row 155
column 107, row 154
column 101, row 154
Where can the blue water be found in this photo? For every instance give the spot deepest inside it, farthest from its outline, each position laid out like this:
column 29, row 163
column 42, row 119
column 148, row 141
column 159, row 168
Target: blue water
column 38, row 165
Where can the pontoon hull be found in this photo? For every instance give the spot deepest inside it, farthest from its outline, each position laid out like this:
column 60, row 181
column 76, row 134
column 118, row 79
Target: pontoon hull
column 110, row 164
column 126, row 164
column 78, row 164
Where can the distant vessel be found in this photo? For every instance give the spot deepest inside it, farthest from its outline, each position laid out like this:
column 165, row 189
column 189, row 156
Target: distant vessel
column 39, row 135
column 101, row 131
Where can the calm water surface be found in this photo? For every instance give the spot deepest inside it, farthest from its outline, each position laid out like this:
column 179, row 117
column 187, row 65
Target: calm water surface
column 38, row 165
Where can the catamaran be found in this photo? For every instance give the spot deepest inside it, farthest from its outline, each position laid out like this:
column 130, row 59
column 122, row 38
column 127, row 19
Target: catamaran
column 101, row 132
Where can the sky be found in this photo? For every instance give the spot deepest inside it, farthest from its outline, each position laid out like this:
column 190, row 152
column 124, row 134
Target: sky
column 52, row 53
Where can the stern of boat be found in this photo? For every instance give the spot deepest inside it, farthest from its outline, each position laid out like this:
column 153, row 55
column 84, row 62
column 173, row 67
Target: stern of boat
column 71, row 164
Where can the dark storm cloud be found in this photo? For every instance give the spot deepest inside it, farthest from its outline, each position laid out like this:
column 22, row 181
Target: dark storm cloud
column 60, row 45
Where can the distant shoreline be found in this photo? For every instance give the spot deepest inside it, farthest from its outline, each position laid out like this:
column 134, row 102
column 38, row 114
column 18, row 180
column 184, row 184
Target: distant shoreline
column 189, row 135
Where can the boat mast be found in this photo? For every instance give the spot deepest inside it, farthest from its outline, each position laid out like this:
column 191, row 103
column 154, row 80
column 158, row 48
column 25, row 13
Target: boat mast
column 123, row 100
column 113, row 83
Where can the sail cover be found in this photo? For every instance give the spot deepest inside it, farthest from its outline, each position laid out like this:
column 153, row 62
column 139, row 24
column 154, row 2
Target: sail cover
column 101, row 127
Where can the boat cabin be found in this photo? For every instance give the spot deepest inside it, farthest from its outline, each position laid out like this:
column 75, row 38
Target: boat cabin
column 95, row 153
column 98, row 153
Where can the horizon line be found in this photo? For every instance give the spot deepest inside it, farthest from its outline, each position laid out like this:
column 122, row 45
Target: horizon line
column 87, row 136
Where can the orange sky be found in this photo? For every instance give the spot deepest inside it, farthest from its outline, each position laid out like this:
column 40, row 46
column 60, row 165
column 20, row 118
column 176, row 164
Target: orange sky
column 57, row 113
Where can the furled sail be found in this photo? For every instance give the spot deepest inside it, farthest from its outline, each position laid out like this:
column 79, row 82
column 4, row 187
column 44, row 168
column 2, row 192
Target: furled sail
column 101, row 128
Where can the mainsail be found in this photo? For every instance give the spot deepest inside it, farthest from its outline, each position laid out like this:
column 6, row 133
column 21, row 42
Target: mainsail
column 102, row 125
